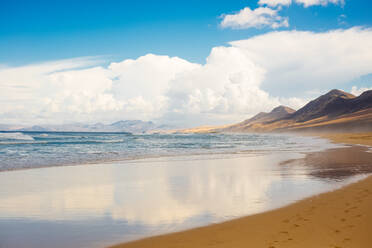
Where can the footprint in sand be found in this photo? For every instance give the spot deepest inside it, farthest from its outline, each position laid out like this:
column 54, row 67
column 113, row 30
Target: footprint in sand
column 343, row 220
column 359, row 199
column 346, row 240
column 271, row 245
column 352, row 208
column 366, row 191
column 337, row 231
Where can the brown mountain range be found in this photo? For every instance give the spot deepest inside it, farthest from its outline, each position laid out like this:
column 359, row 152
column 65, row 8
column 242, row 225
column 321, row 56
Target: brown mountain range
column 334, row 111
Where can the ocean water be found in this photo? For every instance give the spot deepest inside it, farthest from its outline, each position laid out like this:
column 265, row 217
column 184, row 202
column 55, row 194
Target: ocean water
column 143, row 185
column 44, row 149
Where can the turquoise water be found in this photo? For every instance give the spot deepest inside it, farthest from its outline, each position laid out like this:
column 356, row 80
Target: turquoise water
column 44, row 149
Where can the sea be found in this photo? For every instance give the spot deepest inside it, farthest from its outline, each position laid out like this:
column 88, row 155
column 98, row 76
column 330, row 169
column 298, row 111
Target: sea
column 21, row 150
column 71, row 189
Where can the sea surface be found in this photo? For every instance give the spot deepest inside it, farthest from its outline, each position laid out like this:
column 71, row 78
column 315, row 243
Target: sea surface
column 19, row 150
column 137, row 186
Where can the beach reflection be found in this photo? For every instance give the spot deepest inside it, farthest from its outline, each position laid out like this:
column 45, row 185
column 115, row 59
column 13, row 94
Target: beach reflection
column 150, row 196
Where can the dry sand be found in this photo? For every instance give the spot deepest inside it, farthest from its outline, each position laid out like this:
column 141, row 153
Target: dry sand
column 350, row 138
column 338, row 219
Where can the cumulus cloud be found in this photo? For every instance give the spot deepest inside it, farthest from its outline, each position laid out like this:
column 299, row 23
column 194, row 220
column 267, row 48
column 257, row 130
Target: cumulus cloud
column 308, row 3
column 225, row 87
column 358, row 91
column 169, row 89
column 25, row 90
column 268, row 15
column 236, row 82
column 298, row 61
column 67, row 91
column 147, row 75
column 274, row 3
column 257, row 18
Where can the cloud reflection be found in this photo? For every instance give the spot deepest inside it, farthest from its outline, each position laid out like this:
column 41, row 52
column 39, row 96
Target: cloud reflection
column 150, row 193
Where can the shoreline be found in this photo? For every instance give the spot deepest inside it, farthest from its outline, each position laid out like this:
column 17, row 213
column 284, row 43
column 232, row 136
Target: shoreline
column 335, row 219
column 363, row 139
column 139, row 158
column 347, row 224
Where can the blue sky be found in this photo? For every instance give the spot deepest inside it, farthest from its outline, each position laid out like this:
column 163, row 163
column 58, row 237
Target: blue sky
column 185, row 63
column 32, row 31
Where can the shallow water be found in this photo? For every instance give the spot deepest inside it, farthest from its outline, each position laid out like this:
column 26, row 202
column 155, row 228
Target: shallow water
column 104, row 204
column 20, row 150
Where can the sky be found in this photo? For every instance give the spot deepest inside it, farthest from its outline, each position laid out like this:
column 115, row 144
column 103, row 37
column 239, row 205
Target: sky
column 184, row 63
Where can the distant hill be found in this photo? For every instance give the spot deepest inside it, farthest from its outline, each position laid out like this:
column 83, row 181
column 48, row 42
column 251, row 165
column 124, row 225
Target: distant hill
column 334, row 111
column 256, row 121
column 132, row 126
column 8, row 127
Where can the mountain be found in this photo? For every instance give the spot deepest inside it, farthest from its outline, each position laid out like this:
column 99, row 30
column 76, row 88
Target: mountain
column 8, row 127
column 132, row 126
column 332, row 103
column 334, row 111
column 261, row 118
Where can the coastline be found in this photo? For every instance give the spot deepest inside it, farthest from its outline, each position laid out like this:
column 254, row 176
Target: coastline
column 337, row 219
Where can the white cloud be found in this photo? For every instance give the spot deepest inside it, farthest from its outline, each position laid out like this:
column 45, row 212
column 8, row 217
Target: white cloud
column 268, row 16
column 225, row 87
column 298, row 61
column 172, row 90
column 358, row 91
column 236, row 81
column 257, row 18
column 147, row 75
column 66, row 91
column 308, row 3
column 25, row 90
column 274, row 3
column 80, row 91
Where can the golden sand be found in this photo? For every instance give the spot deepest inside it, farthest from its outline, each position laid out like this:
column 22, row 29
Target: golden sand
column 350, row 138
column 338, row 219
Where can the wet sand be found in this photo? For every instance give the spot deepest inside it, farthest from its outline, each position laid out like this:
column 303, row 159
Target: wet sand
column 338, row 219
